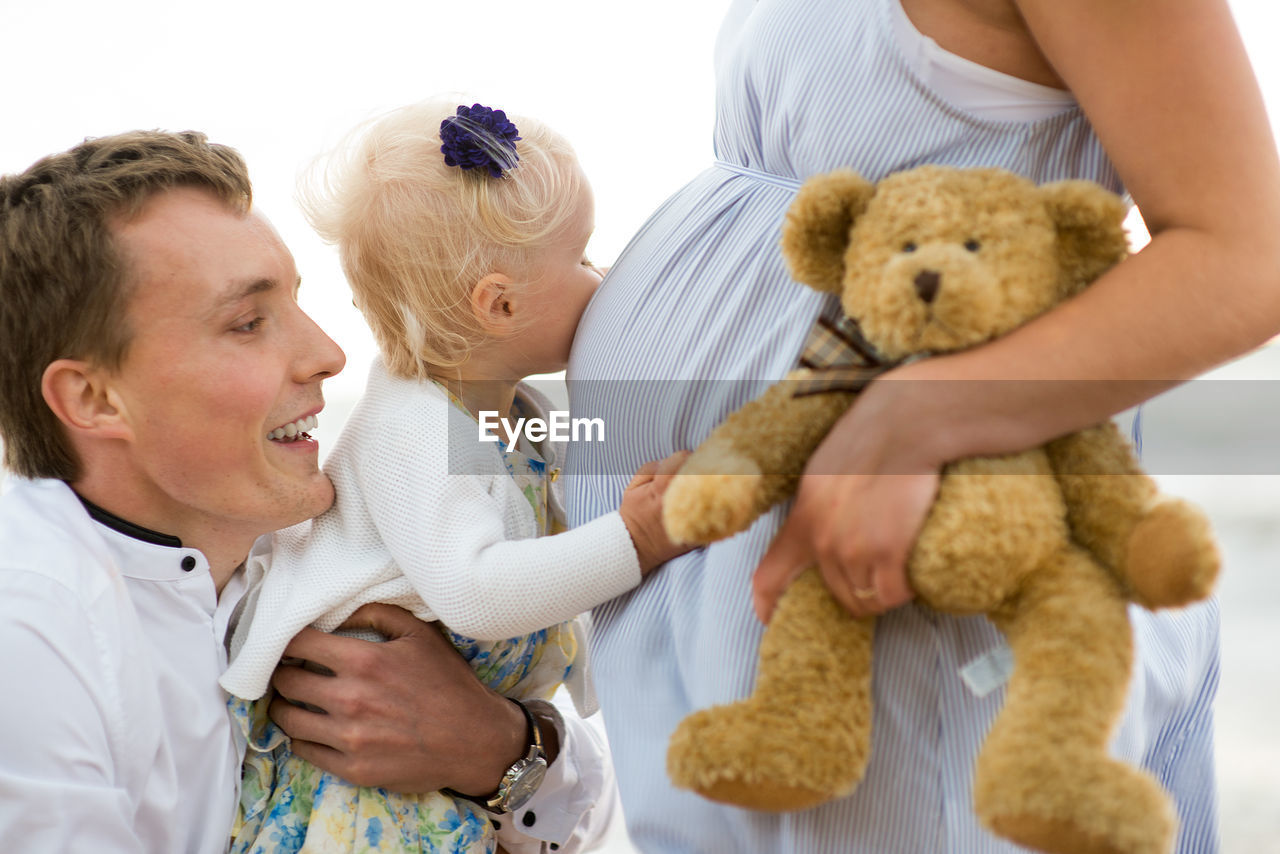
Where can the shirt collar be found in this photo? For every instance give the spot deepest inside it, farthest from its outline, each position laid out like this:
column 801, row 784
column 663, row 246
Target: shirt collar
column 143, row 553
column 124, row 526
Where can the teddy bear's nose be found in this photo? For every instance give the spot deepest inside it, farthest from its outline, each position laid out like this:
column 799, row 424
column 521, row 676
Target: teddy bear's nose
column 927, row 282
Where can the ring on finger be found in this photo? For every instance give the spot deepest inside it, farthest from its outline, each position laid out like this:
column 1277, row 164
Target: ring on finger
column 866, row 592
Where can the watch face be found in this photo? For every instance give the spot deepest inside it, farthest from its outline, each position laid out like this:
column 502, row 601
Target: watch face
column 527, row 780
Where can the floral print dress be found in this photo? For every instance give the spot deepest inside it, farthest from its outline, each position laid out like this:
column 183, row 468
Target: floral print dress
column 288, row 805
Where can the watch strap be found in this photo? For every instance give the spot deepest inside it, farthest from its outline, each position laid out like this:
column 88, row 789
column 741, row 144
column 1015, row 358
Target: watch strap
column 534, row 750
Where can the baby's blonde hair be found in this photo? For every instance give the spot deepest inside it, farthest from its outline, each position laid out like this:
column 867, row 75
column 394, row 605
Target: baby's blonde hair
column 415, row 235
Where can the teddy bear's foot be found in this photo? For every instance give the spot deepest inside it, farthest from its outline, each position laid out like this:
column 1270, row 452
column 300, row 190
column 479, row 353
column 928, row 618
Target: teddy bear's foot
column 717, row 493
column 1171, row 558
column 748, row 756
column 804, row 736
column 1112, row 808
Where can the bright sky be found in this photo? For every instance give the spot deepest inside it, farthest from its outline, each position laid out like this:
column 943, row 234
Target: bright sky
column 283, row 80
column 631, row 87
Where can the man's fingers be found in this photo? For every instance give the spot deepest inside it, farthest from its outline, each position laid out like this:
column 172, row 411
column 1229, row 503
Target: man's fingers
column 390, row 621
column 300, row 723
column 787, row 557
column 333, row 653
column 302, row 685
column 308, row 644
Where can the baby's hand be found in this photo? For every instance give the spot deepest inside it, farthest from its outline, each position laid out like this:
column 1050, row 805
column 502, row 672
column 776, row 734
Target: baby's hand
column 642, row 512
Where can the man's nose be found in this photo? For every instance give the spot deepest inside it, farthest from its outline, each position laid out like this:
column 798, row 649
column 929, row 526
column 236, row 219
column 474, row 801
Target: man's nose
column 324, row 358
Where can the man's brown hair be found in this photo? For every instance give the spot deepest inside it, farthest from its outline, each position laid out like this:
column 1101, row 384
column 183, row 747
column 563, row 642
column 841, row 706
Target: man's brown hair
column 64, row 286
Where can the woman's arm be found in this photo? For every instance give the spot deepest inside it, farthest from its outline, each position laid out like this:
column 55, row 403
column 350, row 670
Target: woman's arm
column 1171, row 95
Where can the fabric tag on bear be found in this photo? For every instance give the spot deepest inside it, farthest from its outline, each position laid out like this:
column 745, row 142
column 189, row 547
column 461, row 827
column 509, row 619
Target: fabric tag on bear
column 988, row 671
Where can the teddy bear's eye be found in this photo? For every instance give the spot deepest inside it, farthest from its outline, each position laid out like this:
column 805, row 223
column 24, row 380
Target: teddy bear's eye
column 908, row 247
column 972, row 245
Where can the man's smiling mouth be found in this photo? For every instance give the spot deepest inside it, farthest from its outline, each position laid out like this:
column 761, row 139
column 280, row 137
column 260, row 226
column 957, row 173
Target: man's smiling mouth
column 294, row 430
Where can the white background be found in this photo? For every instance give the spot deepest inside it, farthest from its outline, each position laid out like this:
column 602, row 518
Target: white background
column 632, row 88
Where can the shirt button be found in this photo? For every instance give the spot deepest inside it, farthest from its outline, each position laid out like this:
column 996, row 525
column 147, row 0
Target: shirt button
column 528, row 819
column 188, row 563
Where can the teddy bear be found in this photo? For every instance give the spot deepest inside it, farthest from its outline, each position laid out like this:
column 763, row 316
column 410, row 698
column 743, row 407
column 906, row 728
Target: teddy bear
column 929, row 261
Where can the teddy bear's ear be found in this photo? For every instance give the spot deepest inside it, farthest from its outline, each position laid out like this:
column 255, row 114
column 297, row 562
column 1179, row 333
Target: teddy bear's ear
column 816, row 233
column 1090, row 223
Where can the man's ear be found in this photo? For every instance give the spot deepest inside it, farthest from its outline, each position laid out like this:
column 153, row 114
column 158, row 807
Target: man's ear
column 84, row 400
column 1090, row 224
column 816, row 232
column 493, row 303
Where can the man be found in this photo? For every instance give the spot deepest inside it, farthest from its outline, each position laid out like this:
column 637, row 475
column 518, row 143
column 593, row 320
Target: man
column 152, row 345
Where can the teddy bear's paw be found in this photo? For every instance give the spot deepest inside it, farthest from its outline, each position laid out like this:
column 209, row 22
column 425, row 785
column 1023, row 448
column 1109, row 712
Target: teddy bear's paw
column 1088, row 808
column 761, row 758
column 703, row 508
column 1171, row 557
column 718, row 493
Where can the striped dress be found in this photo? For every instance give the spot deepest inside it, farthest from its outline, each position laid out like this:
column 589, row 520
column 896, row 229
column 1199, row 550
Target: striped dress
column 697, row 317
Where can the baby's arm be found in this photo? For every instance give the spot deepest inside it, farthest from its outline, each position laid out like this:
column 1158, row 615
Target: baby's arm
column 641, row 511
column 448, row 534
column 750, row 462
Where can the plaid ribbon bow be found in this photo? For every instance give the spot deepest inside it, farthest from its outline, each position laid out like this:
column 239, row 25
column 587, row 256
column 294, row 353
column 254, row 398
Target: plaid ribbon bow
column 840, row 357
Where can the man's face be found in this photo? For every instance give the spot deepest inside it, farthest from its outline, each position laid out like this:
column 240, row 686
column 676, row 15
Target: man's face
column 222, row 357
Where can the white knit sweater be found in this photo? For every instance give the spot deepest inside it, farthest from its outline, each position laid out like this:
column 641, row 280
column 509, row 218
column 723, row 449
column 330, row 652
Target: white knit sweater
column 427, row 518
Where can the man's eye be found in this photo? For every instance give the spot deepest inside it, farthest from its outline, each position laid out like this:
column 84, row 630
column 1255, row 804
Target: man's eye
column 251, row 326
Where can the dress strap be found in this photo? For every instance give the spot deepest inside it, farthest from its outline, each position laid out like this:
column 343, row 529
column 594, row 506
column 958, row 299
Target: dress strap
column 782, row 181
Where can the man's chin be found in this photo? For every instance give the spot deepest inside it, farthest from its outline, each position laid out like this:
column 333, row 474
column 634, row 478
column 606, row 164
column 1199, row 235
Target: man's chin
column 324, row 497
column 318, row 498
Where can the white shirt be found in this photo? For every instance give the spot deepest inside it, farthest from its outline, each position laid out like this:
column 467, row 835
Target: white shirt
column 116, row 736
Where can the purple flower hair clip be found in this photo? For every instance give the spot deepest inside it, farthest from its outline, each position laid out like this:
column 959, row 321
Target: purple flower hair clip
column 479, row 138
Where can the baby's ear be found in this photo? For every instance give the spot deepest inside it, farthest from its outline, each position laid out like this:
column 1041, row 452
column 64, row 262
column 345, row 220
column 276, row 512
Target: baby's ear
column 1090, row 224
column 816, row 232
column 493, row 303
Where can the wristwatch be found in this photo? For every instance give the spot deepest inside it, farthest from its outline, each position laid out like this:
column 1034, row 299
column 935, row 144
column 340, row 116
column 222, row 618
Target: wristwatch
column 524, row 776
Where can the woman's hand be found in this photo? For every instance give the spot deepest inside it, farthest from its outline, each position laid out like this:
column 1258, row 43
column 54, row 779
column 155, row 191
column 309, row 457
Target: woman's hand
column 863, row 562
column 861, row 504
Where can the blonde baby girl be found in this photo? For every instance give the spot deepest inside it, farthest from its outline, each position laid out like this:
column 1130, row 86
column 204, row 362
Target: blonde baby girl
column 463, row 235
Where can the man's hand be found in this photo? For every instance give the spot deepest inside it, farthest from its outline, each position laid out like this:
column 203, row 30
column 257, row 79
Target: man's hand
column 408, row 714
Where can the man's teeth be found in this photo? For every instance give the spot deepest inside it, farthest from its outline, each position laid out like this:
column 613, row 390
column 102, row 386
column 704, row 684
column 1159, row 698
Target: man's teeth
column 291, row 431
